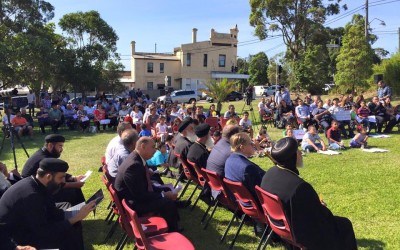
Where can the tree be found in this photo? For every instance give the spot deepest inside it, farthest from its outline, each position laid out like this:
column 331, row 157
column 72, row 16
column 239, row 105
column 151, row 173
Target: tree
column 110, row 77
column 92, row 43
column 258, row 69
column 313, row 71
column 20, row 22
column 390, row 68
column 219, row 91
column 290, row 17
column 354, row 62
column 243, row 68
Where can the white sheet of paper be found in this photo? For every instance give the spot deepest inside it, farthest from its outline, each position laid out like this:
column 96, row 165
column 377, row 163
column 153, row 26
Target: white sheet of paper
column 329, row 152
column 375, row 150
column 379, row 136
column 177, row 189
column 88, row 173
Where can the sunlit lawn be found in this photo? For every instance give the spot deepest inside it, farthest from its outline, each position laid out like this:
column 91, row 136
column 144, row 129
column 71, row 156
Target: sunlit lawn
column 361, row 186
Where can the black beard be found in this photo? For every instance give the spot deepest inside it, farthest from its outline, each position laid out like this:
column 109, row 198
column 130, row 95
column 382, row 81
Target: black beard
column 54, row 153
column 53, row 188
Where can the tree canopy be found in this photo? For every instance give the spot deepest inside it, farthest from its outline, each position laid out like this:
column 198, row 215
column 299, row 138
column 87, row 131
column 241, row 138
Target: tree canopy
column 354, row 62
column 258, row 69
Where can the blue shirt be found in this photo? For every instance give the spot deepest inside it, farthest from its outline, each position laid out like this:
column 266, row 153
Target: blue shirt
column 145, row 133
column 157, row 159
column 384, row 92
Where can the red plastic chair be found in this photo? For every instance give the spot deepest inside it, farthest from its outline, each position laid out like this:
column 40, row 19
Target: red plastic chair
column 165, row 241
column 223, row 121
column 153, row 224
column 223, row 198
column 248, row 205
column 213, row 122
column 191, row 176
column 201, row 177
column 273, row 211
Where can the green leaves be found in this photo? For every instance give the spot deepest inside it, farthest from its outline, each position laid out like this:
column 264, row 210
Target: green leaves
column 219, row 90
column 354, row 62
column 258, row 69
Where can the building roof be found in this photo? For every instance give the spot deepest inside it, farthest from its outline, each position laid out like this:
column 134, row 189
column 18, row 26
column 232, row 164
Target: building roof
column 158, row 56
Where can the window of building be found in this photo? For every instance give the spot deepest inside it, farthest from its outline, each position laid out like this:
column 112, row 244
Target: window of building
column 150, row 86
column 188, row 59
column 205, row 57
column 161, row 67
column 222, row 60
column 150, row 67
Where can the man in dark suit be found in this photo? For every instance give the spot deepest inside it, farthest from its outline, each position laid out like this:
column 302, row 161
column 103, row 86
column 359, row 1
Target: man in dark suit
column 184, row 140
column 313, row 224
column 133, row 184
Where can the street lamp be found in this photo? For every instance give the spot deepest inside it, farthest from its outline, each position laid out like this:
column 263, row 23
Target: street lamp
column 367, row 26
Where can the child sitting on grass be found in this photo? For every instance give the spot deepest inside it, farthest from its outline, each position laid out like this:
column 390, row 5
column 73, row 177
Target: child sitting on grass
column 360, row 140
column 333, row 134
column 145, row 131
column 262, row 140
column 162, row 129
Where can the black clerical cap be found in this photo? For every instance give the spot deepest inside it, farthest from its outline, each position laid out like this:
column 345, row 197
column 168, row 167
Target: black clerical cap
column 54, row 138
column 53, row 165
column 284, row 152
column 185, row 123
column 202, row 130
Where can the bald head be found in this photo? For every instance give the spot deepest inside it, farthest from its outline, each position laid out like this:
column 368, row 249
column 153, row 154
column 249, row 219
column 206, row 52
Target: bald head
column 230, row 130
column 122, row 127
column 129, row 137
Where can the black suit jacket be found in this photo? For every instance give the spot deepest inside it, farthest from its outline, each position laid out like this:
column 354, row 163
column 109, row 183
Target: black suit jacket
column 313, row 225
column 131, row 181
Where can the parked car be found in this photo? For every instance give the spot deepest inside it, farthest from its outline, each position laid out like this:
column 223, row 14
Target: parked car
column 79, row 100
column 182, row 96
column 233, row 96
column 111, row 97
column 270, row 90
column 328, row 87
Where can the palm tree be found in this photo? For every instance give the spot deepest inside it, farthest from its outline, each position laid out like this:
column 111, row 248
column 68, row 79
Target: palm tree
column 219, row 90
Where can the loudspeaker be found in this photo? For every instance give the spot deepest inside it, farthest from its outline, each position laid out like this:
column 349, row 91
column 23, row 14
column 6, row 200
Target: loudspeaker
column 378, row 78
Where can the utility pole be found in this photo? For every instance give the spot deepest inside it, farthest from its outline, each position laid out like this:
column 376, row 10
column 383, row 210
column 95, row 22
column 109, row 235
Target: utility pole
column 399, row 41
column 366, row 19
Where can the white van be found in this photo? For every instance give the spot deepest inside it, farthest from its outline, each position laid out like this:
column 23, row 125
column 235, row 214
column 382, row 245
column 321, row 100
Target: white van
column 259, row 90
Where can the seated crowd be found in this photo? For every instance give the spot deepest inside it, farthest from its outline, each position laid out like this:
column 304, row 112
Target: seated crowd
column 156, row 139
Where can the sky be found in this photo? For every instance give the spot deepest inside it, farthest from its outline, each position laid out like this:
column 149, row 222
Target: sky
column 169, row 23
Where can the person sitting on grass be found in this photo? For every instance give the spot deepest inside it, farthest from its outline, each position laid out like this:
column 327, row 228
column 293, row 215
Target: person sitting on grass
column 333, row 134
column 245, row 123
column 263, row 140
column 360, row 140
column 309, row 142
column 21, row 125
column 290, row 133
column 216, row 136
column 159, row 159
column 162, row 129
column 363, row 113
column 144, row 130
column 288, row 127
column 231, row 112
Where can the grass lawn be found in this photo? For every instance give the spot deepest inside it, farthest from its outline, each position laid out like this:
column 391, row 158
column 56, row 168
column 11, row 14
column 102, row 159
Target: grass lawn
column 361, row 186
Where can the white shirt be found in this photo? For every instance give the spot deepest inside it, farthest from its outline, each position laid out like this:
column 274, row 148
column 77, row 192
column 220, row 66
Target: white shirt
column 31, row 98
column 245, row 124
column 112, row 146
column 162, row 128
column 5, row 119
column 89, row 110
column 136, row 117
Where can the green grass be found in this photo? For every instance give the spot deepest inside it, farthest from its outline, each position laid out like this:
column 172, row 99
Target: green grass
column 361, row 186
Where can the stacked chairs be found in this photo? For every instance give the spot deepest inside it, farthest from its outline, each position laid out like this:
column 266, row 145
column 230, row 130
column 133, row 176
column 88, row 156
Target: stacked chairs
column 165, row 241
column 153, row 225
column 222, row 198
column 273, row 211
column 248, row 205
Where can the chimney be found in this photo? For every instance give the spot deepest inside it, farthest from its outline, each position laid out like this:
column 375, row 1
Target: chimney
column 194, row 35
column 133, row 45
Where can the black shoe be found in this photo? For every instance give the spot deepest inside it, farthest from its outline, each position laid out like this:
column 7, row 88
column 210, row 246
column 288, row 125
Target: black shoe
column 170, row 174
column 183, row 204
